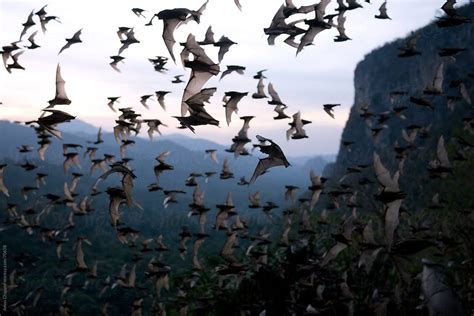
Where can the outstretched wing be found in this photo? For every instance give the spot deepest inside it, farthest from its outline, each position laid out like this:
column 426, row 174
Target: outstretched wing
column 230, row 107
column 442, row 154
column 61, row 96
column 203, row 68
column 263, row 165
column 168, row 34
column 333, row 252
column 60, row 85
column 391, row 220
column 3, row 187
column 275, row 97
column 438, row 79
column 237, row 3
column 383, row 175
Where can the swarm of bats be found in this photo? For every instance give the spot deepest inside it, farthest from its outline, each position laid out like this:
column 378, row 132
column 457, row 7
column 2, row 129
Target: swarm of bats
column 300, row 26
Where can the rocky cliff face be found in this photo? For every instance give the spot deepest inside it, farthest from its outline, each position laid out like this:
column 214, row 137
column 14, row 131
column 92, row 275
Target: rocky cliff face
column 382, row 73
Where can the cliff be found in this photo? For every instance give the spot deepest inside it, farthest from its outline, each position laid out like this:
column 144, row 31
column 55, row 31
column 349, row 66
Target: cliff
column 382, row 73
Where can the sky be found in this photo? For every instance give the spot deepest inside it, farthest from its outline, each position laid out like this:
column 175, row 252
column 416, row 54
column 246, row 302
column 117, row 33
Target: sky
column 321, row 73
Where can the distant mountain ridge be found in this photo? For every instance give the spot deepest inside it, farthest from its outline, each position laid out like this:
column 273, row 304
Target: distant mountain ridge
column 84, row 130
column 187, row 155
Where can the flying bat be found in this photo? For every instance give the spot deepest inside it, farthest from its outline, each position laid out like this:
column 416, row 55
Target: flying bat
column 224, row 44
column 328, row 108
column 115, row 60
column 231, row 69
column 231, row 99
column 198, row 115
column 31, row 39
column 138, row 12
column 383, row 12
column 202, row 69
column 29, row 23
column 237, row 3
column 174, row 18
column 275, row 158
column 260, row 94
column 161, row 98
column 275, row 97
column 129, row 40
column 61, row 96
column 316, row 26
column 73, row 40
column 341, row 20
column 112, row 101
column 208, row 37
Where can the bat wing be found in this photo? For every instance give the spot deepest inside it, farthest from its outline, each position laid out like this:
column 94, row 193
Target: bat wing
column 442, row 154
column 168, row 34
column 368, row 234
column 61, row 96
column 279, row 18
column 391, row 220
column 31, row 38
column 76, row 37
column 196, row 81
column 320, row 9
column 383, row 175
column 230, row 107
column 383, row 9
column 448, row 7
column 99, row 134
column 333, row 252
column 3, row 187
column 237, row 3
column 201, row 97
column 161, row 101
column 67, row 164
column 341, row 20
column 315, row 179
column 199, row 54
column 289, row 132
column 132, row 276
column 271, row 39
column 114, row 210
column 80, row 263
column 197, row 245
column 328, row 111
column 438, row 79
column 214, row 157
column 274, row 94
column 29, row 23
column 260, row 90
column 263, row 165
column 228, row 247
column 161, row 157
column 68, row 44
column 203, row 70
column 225, row 73
column 42, row 150
column 314, row 198
column 464, row 93
column 209, row 37
column 308, row 37
column 290, row 40
column 222, row 51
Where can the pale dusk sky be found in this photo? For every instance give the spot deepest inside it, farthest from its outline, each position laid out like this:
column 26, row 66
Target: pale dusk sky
column 321, row 73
